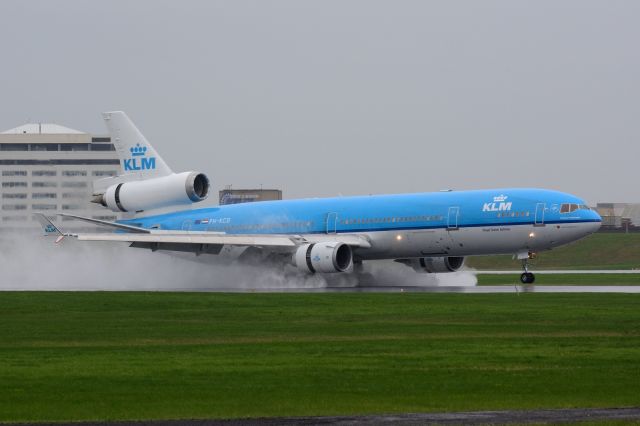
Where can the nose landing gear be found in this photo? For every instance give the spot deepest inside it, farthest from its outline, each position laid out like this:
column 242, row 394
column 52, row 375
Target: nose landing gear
column 527, row 277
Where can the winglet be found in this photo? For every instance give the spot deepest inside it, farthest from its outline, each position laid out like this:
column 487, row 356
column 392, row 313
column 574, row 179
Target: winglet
column 48, row 227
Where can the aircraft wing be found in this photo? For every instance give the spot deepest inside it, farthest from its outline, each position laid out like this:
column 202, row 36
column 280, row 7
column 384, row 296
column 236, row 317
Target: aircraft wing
column 201, row 242
column 256, row 240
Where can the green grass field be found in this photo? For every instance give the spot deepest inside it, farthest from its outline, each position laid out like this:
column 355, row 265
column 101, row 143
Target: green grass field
column 93, row 356
column 562, row 279
column 598, row 251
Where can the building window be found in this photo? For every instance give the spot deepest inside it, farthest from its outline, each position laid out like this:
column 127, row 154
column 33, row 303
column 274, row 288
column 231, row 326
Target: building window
column 44, row 184
column 104, row 173
column 17, row 195
column 43, row 206
column 74, row 173
column 74, row 184
column 44, row 173
column 44, row 147
column 74, row 147
column 14, row 147
column 102, row 147
column 74, row 195
column 14, row 184
column 71, row 207
column 62, row 162
column 14, row 173
column 39, row 195
column 14, row 207
column 14, row 218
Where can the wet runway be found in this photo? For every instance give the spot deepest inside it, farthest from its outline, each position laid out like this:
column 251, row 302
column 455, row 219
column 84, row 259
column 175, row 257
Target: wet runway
column 561, row 271
column 495, row 289
column 485, row 289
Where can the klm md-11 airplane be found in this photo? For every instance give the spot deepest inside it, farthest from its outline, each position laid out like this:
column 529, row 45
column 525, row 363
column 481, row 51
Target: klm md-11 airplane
column 429, row 232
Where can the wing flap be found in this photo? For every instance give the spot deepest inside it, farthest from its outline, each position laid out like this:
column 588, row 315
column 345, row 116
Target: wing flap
column 106, row 223
column 349, row 239
column 155, row 237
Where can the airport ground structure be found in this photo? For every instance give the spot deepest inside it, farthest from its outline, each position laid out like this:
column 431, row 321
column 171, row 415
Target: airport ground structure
column 619, row 217
column 50, row 168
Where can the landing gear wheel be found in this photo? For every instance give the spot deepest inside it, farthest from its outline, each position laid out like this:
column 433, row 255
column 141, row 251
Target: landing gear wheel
column 527, row 278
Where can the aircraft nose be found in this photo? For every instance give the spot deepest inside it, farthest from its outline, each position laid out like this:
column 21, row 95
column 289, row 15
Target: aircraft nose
column 595, row 223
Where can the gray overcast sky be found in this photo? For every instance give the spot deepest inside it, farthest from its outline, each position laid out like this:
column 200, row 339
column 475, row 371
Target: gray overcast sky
column 345, row 97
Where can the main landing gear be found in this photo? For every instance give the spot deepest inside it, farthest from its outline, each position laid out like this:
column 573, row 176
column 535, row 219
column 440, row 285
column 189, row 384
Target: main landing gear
column 527, row 277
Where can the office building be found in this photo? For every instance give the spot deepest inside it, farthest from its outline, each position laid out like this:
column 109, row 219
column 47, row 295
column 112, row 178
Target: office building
column 50, row 168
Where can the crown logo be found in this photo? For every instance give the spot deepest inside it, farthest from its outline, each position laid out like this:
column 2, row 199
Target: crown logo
column 138, row 151
column 500, row 198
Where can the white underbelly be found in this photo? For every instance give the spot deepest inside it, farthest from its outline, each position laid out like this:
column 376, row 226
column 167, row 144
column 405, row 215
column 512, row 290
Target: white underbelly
column 470, row 241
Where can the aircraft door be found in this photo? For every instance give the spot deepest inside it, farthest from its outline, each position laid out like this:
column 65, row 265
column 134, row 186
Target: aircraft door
column 332, row 221
column 452, row 218
column 539, row 218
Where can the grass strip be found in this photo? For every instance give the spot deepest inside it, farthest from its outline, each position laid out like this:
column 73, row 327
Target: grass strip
column 109, row 356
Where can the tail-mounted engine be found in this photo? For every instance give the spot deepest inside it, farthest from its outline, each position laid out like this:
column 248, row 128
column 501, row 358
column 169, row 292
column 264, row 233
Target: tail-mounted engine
column 171, row 190
column 323, row 257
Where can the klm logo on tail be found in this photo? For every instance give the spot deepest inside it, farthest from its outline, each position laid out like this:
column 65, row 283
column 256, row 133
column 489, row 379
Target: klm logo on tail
column 499, row 204
column 139, row 160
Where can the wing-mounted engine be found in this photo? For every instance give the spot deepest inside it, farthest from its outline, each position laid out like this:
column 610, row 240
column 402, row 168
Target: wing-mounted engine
column 323, row 257
column 434, row 264
column 172, row 190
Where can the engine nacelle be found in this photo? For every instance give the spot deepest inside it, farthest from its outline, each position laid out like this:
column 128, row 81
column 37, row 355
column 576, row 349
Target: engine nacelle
column 437, row 264
column 172, row 190
column 323, row 257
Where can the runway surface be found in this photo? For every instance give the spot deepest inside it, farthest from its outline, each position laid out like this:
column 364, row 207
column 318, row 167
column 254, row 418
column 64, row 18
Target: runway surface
column 485, row 289
column 456, row 418
column 507, row 289
column 560, row 271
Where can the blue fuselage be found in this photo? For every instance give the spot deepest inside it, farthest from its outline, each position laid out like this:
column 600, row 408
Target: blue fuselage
column 454, row 209
column 460, row 223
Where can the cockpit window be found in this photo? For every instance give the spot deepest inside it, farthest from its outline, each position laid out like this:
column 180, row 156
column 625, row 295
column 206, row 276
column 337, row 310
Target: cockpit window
column 568, row 208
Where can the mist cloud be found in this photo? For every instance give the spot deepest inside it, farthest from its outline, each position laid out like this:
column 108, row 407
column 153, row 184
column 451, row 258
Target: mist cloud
column 33, row 262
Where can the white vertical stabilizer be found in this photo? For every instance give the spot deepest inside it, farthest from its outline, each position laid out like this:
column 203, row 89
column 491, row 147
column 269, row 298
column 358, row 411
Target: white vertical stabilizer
column 137, row 156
